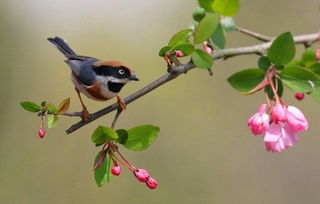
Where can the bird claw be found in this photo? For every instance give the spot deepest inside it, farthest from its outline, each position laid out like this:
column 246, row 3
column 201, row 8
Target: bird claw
column 122, row 104
column 85, row 114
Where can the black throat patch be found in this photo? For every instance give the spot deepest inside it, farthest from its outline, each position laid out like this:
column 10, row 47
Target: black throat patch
column 115, row 87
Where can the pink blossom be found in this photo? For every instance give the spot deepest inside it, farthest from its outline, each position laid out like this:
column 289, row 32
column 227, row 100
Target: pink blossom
column 142, row 175
column 296, row 119
column 278, row 113
column 116, row 170
column 179, row 53
column 42, row 132
column 279, row 137
column 318, row 54
column 152, row 183
column 259, row 122
column 208, row 49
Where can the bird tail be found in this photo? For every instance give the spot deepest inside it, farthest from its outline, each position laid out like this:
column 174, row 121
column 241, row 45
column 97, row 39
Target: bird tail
column 62, row 46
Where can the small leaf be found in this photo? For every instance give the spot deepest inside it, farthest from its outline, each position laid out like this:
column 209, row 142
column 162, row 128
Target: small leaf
column 198, row 14
column 186, row 48
column 43, row 104
column 141, row 137
column 51, row 108
column 102, row 134
column 264, row 63
column 52, row 121
column 164, row 50
column 63, row 106
column 218, row 38
column 206, row 28
column 123, row 136
column 202, row 59
column 247, row 79
column 206, row 4
column 309, row 57
column 102, row 174
column 282, row 50
column 294, row 62
column 315, row 68
column 299, row 79
column 226, row 7
column 180, row 37
column 30, row 106
column 228, row 23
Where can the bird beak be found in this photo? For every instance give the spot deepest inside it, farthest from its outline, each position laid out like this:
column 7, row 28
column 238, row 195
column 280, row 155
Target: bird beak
column 134, row 78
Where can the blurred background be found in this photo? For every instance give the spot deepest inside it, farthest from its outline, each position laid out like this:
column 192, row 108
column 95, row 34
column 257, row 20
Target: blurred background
column 205, row 152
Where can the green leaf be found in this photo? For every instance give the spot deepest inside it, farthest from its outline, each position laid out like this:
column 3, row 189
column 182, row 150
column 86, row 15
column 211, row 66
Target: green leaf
column 206, row 4
column 294, row 62
column 141, row 137
column 123, row 136
column 102, row 134
column 226, row 7
column 198, row 14
column 206, row 27
column 180, row 37
column 30, row 106
column 52, row 121
column 63, row 106
column 299, row 79
column 228, row 23
column 309, row 57
column 186, row 48
column 247, row 79
column 315, row 93
column 51, row 108
column 102, row 175
column 282, row 50
column 218, row 38
column 269, row 90
column 43, row 104
column 264, row 63
column 315, row 68
column 202, row 59
column 164, row 50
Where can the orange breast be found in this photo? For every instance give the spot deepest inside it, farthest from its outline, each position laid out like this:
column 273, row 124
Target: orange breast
column 95, row 91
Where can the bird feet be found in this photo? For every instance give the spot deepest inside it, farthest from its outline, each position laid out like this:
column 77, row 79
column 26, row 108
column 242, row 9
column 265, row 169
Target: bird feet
column 85, row 114
column 121, row 102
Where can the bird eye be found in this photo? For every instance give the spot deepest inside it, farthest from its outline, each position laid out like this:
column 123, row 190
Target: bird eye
column 121, row 71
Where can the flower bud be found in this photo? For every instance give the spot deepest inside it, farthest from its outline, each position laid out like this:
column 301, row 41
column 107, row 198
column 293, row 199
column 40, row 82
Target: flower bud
column 278, row 113
column 179, row 53
column 142, row 175
column 259, row 122
column 42, row 132
column 318, row 54
column 296, row 120
column 299, row 96
column 116, row 170
column 152, row 183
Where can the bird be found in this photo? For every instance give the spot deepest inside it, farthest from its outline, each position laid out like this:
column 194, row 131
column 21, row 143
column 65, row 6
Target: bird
column 97, row 79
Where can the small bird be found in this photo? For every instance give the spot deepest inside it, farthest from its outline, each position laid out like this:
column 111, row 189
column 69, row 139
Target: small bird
column 97, row 79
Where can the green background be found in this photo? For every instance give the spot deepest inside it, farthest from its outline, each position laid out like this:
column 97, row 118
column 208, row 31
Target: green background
column 205, row 152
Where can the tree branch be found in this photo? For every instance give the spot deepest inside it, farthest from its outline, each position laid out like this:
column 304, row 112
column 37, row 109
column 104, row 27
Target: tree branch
column 257, row 36
column 176, row 71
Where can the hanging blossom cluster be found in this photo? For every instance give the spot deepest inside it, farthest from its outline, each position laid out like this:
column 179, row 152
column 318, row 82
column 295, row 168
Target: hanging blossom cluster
column 111, row 149
column 277, row 122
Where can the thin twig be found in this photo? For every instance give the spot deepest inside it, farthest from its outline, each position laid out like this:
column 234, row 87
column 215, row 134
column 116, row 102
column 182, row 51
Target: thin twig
column 257, row 36
column 119, row 111
column 176, row 71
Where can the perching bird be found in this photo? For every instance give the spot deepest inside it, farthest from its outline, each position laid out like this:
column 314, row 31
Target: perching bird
column 98, row 80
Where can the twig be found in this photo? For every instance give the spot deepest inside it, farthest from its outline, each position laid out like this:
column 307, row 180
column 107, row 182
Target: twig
column 119, row 111
column 176, row 71
column 257, row 36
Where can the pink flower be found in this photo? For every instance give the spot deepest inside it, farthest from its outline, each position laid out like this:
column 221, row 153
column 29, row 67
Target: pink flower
column 299, row 96
column 279, row 137
column 42, row 132
column 116, row 170
column 208, row 49
column 318, row 54
column 278, row 113
column 296, row 119
column 142, row 175
column 179, row 53
column 152, row 183
column 259, row 122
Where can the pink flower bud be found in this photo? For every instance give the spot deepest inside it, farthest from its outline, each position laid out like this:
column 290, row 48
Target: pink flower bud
column 208, row 49
column 318, row 54
column 299, row 96
column 179, row 53
column 278, row 113
column 142, row 175
column 116, row 170
column 296, row 119
column 259, row 122
column 152, row 183
column 42, row 132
